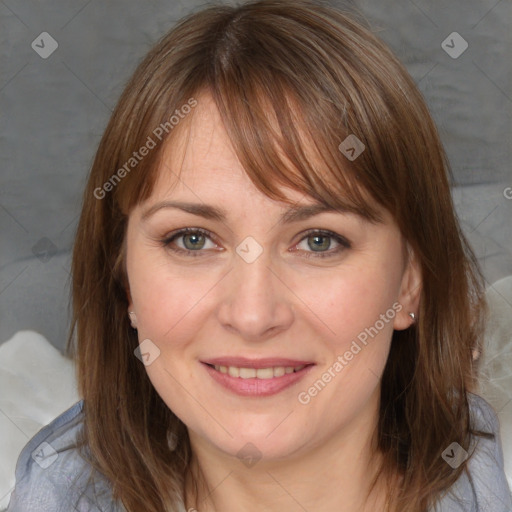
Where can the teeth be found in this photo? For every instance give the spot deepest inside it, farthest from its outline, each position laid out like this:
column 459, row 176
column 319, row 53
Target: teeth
column 258, row 373
column 266, row 373
column 278, row 372
column 233, row 372
column 246, row 373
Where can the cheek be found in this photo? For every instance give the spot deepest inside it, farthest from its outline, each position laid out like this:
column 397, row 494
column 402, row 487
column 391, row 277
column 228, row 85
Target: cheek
column 165, row 297
column 348, row 301
column 356, row 339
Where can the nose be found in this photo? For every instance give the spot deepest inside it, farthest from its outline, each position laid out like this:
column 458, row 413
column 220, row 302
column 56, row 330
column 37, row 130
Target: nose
column 256, row 302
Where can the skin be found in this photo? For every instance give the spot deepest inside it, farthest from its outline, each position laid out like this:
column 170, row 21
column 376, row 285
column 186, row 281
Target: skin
column 284, row 304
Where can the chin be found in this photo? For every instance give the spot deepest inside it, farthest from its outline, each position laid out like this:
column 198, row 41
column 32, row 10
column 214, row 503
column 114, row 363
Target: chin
column 260, row 447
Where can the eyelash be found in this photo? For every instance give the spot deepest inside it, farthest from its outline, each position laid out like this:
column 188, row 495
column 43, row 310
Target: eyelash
column 344, row 243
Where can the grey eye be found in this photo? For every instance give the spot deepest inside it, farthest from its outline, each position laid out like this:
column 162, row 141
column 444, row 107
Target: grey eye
column 319, row 242
column 193, row 241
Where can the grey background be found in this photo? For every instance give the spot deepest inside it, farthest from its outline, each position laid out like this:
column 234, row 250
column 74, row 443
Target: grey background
column 54, row 111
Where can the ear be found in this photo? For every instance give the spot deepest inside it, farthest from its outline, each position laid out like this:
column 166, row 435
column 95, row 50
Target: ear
column 410, row 291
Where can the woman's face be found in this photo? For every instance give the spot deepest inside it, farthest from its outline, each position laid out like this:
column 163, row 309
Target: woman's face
column 248, row 288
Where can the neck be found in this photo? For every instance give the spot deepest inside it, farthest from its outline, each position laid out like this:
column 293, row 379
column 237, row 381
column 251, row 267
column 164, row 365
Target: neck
column 332, row 476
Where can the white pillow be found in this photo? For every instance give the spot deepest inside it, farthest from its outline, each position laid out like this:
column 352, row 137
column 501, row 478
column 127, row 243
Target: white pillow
column 37, row 384
column 496, row 369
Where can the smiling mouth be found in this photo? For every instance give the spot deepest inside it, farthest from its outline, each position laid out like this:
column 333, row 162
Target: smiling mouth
column 258, row 373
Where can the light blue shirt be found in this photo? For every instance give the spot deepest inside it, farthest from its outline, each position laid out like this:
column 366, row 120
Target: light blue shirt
column 51, row 476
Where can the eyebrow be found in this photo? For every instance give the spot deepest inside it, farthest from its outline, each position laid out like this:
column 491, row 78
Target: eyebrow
column 293, row 214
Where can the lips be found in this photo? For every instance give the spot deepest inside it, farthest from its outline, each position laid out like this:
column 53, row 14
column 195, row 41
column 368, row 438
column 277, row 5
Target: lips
column 256, row 377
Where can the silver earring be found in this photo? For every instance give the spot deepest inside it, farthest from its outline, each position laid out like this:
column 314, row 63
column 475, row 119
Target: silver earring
column 133, row 319
column 412, row 315
column 172, row 441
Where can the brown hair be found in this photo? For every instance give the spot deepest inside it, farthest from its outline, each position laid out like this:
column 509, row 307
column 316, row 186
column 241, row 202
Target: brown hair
column 319, row 72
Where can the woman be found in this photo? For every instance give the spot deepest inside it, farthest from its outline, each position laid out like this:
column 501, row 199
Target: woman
column 274, row 305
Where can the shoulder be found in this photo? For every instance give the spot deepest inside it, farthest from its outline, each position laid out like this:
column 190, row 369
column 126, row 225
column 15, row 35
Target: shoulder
column 52, row 475
column 486, row 489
